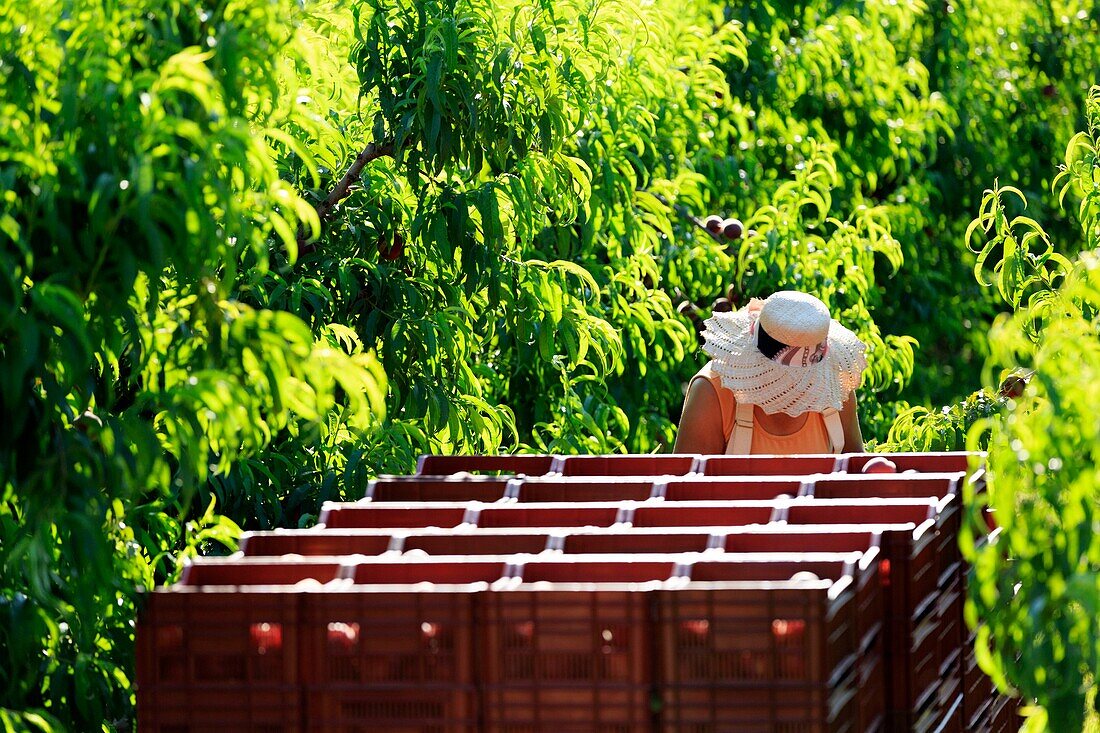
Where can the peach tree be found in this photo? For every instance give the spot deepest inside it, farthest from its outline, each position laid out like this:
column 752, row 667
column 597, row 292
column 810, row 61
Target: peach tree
column 1035, row 592
column 140, row 178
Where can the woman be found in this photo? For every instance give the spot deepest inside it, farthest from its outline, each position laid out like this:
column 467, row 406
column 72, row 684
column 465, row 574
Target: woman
column 781, row 380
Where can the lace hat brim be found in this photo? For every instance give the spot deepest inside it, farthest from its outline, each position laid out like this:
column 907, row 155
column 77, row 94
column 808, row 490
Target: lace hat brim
column 777, row 387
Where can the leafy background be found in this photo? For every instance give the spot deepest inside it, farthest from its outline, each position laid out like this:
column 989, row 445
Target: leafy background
column 257, row 251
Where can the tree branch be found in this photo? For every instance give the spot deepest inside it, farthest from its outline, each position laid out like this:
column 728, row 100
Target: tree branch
column 325, row 209
column 686, row 214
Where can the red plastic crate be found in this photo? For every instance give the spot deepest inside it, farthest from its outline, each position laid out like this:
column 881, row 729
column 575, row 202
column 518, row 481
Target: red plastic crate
column 392, row 516
column 197, row 637
column 981, row 720
column 730, row 489
column 625, row 465
column 210, row 660
column 751, row 656
column 872, row 600
column 434, row 488
column 954, row 719
column 793, row 538
column 951, row 681
column 861, row 511
column 531, row 465
column 564, row 691
column 584, row 490
column 399, row 659
column 943, row 717
column 258, row 571
column 978, row 690
column 560, row 514
column 871, row 691
column 921, row 462
column 869, row 609
column 638, row 541
column 914, row 679
column 909, row 570
column 767, row 465
column 703, row 514
column 253, row 708
column 949, row 611
column 566, row 660
column 949, row 561
column 943, row 516
column 315, row 542
column 449, row 570
column 1005, row 715
column 773, row 567
column 910, row 642
column 477, row 542
column 597, row 569
column 428, row 707
column 896, row 485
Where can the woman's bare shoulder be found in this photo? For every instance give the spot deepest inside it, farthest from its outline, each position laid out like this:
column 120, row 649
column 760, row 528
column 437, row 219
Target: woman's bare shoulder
column 701, row 423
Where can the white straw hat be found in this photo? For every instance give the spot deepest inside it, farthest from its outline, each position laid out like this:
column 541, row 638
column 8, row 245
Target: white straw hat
column 785, row 354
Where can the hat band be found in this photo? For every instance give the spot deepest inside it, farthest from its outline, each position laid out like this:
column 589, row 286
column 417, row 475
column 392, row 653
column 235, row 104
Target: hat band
column 786, row 354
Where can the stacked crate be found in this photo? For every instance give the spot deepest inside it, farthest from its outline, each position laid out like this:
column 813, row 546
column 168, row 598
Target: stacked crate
column 585, row 593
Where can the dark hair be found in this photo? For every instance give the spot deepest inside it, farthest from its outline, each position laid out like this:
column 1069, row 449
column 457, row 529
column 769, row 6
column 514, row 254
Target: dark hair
column 768, row 346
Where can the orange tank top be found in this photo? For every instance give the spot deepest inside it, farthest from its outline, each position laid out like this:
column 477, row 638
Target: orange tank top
column 813, row 437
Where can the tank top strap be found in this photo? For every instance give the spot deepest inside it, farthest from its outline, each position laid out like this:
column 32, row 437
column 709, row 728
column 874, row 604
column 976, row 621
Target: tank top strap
column 740, row 440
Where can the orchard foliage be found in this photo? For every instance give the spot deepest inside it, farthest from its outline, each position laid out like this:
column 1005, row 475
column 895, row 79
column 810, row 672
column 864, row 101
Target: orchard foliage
column 256, row 251
column 1036, row 590
column 139, row 180
column 926, row 102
